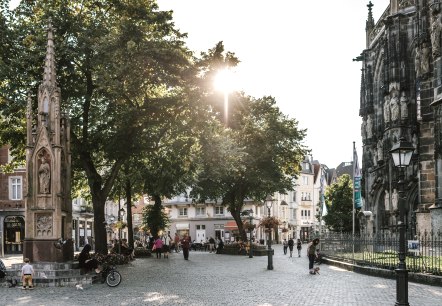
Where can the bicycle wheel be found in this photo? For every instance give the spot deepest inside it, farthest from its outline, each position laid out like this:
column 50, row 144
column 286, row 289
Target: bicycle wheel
column 113, row 279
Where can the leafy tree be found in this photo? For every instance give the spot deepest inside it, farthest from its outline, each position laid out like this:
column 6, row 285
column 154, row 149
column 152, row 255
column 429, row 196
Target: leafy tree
column 339, row 201
column 120, row 64
column 155, row 218
column 259, row 154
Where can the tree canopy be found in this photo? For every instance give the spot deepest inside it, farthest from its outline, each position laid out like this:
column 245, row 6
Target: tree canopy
column 339, row 201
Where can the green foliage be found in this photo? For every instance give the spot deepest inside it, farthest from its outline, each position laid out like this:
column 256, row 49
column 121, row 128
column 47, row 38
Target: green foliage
column 155, row 219
column 339, row 201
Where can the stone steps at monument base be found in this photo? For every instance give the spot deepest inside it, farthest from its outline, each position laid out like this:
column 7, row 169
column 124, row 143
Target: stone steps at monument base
column 49, row 274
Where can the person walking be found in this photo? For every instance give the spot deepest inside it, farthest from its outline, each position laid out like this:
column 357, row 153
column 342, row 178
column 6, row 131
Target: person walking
column 211, row 245
column 185, row 245
column 27, row 271
column 285, row 246
column 158, row 247
column 177, row 242
column 311, row 251
column 291, row 244
column 299, row 247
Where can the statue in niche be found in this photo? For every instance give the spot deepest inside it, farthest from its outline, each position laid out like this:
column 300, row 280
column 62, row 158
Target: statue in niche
column 414, row 142
column 363, row 129
column 394, row 199
column 417, row 62
column 44, row 175
column 425, row 59
column 386, row 109
column 380, row 150
column 369, row 127
column 386, row 198
column 436, row 27
column 375, row 156
column 404, row 106
column 394, row 106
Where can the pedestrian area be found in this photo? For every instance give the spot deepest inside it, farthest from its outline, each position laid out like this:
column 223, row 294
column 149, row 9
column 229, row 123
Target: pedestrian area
column 211, row 279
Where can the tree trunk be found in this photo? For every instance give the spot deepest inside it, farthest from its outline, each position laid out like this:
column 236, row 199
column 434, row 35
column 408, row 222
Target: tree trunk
column 155, row 228
column 130, row 230
column 98, row 202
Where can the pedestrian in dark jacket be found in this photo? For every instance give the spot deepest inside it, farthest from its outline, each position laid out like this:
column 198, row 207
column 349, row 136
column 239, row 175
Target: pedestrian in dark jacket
column 185, row 245
column 291, row 244
column 299, row 247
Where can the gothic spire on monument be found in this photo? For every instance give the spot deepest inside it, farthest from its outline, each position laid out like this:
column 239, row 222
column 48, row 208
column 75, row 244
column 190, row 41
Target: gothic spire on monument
column 48, row 202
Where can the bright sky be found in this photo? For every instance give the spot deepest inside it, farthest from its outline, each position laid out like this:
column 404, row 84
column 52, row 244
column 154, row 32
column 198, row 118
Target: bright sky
column 299, row 52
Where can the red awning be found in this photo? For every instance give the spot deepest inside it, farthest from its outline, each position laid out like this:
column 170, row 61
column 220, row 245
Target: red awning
column 231, row 226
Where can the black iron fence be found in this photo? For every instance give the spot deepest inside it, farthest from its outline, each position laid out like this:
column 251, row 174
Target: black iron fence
column 424, row 250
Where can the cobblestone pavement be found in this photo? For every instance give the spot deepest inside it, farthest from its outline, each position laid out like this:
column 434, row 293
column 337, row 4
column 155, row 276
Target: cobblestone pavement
column 210, row 279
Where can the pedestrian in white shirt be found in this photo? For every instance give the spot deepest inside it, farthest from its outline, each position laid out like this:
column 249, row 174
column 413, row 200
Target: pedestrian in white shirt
column 27, row 272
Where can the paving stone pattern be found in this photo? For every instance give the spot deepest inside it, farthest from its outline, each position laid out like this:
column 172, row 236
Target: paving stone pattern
column 211, row 279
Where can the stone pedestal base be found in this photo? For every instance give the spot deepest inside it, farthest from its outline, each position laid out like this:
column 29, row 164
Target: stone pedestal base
column 38, row 250
column 436, row 219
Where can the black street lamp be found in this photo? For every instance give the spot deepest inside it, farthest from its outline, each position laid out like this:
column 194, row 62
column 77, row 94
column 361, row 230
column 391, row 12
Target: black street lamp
column 269, row 202
column 120, row 218
column 401, row 153
column 250, row 233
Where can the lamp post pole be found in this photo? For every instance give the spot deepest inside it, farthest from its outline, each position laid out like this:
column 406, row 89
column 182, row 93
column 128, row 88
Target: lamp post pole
column 401, row 153
column 250, row 233
column 401, row 271
column 269, row 203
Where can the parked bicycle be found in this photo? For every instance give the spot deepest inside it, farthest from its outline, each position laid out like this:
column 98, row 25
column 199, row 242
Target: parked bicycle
column 111, row 276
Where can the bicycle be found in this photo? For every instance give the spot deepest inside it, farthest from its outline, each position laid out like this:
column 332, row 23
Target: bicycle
column 111, row 276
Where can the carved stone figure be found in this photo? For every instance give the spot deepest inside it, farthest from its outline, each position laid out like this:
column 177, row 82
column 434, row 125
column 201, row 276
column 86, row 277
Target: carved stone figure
column 414, row 142
column 386, row 109
column 386, row 199
column 436, row 27
column 417, row 62
column 44, row 176
column 394, row 199
column 363, row 128
column 404, row 106
column 380, row 150
column 369, row 127
column 425, row 59
column 394, row 106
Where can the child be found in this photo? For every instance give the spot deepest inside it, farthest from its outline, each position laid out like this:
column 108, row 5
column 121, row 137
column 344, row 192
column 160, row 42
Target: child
column 27, row 271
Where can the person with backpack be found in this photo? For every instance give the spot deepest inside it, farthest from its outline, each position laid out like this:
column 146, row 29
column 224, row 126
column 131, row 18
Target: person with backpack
column 299, row 247
column 291, row 244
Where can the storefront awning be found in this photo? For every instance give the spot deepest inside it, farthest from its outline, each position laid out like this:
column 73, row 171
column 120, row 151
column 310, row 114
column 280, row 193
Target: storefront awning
column 182, row 226
column 231, row 226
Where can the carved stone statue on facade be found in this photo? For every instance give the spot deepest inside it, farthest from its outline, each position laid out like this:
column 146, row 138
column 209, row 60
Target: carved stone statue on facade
column 414, row 142
column 44, row 176
column 425, row 59
column 380, row 150
column 363, row 129
column 375, row 156
column 404, row 106
column 436, row 27
column 386, row 109
column 417, row 62
column 369, row 127
column 394, row 106
column 394, row 199
column 386, row 199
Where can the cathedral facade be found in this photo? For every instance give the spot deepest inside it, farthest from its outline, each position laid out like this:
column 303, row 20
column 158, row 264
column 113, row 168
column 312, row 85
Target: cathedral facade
column 401, row 97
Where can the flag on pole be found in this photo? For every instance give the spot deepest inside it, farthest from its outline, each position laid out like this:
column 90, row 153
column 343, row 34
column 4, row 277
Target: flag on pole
column 356, row 181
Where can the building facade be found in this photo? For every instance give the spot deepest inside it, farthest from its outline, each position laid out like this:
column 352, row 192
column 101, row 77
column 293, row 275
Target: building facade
column 401, row 97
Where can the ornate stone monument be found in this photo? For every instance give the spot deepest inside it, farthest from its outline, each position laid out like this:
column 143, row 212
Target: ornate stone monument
column 48, row 234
